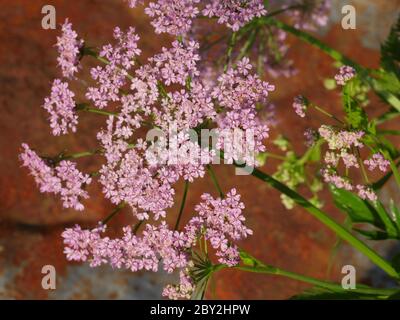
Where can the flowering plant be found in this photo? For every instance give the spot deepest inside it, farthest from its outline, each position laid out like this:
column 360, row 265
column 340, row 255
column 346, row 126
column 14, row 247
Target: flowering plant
column 162, row 112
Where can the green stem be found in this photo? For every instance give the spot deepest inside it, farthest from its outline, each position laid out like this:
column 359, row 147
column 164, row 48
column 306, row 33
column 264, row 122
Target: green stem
column 231, row 45
column 275, row 156
column 248, row 44
column 84, row 154
column 79, row 155
column 113, row 213
column 86, row 108
column 283, row 10
column 267, row 269
column 137, row 226
column 185, row 191
column 90, row 52
column 361, row 164
column 327, row 113
column 215, row 181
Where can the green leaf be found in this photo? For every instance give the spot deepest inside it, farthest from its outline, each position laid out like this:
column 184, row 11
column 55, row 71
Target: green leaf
column 390, row 226
column 356, row 208
column 248, row 259
column 362, row 211
column 355, row 114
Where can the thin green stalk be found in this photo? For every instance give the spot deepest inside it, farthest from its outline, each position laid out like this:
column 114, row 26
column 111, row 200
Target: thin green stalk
column 83, row 154
column 361, row 164
column 215, row 181
column 90, row 52
column 267, row 269
column 283, row 10
column 86, row 108
column 231, row 45
column 113, row 213
column 275, row 156
column 80, row 154
column 248, row 44
column 185, row 191
column 137, row 226
column 327, row 113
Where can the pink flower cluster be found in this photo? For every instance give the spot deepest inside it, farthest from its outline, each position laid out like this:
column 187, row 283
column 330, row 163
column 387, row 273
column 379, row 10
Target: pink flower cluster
column 112, row 77
column 311, row 136
column 234, row 13
column 60, row 104
column 366, row 193
column 177, row 64
column 223, row 221
column 175, row 16
column 172, row 16
column 69, row 47
column 345, row 74
column 61, row 107
column 300, row 106
column 377, row 160
column 311, row 14
column 143, row 174
column 276, row 55
column 63, row 179
column 341, row 144
column 219, row 220
column 340, row 140
column 238, row 92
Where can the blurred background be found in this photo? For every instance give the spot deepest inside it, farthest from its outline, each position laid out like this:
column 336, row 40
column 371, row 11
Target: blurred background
column 31, row 223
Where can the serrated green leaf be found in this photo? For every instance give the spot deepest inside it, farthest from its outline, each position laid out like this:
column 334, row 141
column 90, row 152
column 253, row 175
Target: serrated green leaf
column 355, row 114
